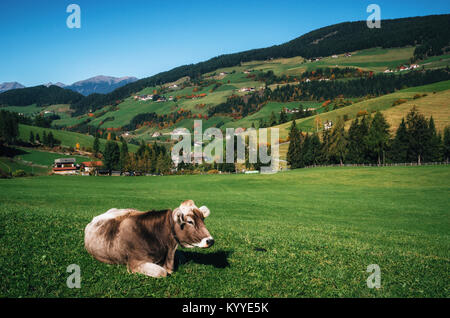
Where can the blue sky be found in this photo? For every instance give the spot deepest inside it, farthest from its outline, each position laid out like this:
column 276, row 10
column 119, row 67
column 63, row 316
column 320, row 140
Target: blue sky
column 143, row 37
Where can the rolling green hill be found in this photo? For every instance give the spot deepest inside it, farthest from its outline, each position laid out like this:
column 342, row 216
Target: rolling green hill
column 379, row 104
column 67, row 138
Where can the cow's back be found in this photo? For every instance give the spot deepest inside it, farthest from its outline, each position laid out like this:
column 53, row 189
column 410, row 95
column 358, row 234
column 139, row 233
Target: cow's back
column 102, row 236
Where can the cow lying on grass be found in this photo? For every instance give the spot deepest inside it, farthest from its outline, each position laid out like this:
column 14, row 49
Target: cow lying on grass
column 146, row 241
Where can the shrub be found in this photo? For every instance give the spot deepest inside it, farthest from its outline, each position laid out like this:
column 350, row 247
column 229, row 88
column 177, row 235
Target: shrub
column 362, row 113
column 4, row 174
column 399, row 101
column 19, row 173
column 213, row 171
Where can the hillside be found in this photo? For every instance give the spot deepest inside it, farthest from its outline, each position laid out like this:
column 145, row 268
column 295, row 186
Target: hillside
column 383, row 103
column 67, row 138
column 250, row 92
column 335, row 39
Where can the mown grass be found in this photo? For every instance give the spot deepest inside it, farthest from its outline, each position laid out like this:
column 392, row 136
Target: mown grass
column 303, row 233
column 45, row 158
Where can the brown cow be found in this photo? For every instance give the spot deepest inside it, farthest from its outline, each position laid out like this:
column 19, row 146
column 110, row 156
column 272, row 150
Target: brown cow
column 146, row 241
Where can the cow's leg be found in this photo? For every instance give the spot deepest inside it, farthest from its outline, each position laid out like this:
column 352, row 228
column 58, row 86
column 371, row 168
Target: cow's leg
column 170, row 261
column 147, row 268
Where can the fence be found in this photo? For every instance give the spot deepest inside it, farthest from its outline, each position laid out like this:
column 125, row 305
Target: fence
column 381, row 165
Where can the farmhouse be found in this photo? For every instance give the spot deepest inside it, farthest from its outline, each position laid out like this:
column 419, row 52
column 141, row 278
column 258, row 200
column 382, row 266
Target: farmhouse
column 91, row 166
column 292, row 111
column 65, row 166
column 247, row 89
column 144, row 97
column 327, row 125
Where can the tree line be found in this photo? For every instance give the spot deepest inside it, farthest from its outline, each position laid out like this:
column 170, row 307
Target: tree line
column 154, row 159
column 368, row 140
column 375, row 85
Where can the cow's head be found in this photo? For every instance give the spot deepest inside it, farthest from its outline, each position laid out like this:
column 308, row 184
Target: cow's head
column 189, row 225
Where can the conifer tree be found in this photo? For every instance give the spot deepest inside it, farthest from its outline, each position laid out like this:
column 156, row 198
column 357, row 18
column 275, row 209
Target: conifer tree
column 435, row 146
column 446, row 146
column 400, row 144
column 294, row 151
column 378, row 136
column 338, row 141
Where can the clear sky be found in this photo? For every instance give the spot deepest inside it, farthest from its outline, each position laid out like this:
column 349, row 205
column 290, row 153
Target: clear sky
column 143, row 37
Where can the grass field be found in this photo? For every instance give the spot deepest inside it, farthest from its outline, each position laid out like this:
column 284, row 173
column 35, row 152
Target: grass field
column 302, row 233
column 67, row 138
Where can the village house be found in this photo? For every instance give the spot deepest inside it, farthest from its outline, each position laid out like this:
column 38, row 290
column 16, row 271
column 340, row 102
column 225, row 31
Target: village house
column 156, row 134
column 144, row 97
column 334, row 56
column 247, row 89
column 90, row 167
column 161, row 99
column 327, row 125
column 65, row 166
column 292, row 111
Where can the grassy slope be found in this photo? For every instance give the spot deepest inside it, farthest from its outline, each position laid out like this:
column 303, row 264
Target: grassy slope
column 436, row 105
column 371, row 105
column 374, row 59
column 35, row 161
column 68, row 138
column 11, row 165
column 46, row 158
column 320, row 229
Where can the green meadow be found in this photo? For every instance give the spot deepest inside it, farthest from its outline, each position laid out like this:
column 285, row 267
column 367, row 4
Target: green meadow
column 301, row 233
column 67, row 138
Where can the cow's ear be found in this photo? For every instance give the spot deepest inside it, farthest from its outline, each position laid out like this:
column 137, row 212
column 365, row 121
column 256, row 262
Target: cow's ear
column 178, row 216
column 205, row 211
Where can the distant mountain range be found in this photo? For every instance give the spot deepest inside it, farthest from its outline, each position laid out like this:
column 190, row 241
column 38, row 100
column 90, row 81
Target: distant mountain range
column 98, row 84
column 6, row 86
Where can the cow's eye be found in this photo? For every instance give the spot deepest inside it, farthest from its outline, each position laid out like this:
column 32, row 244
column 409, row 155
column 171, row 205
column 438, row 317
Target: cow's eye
column 190, row 222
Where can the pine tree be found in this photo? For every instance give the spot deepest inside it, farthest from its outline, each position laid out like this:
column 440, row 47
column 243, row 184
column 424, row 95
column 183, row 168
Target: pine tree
column 124, row 157
column 272, row 120
column 419, row 136
column 338, row 141
column 96, row 145
column 111, row 156
column 31, row 137
column 400, row 144
column 446, row 145
column 378, row 136
column 44, row 138
column 435, row 146
column 38, row 138
column 294, row 151
column 50, row 140
column 283, row 117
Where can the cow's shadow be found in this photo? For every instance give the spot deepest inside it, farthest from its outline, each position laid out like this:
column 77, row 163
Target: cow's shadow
column 217, row 259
